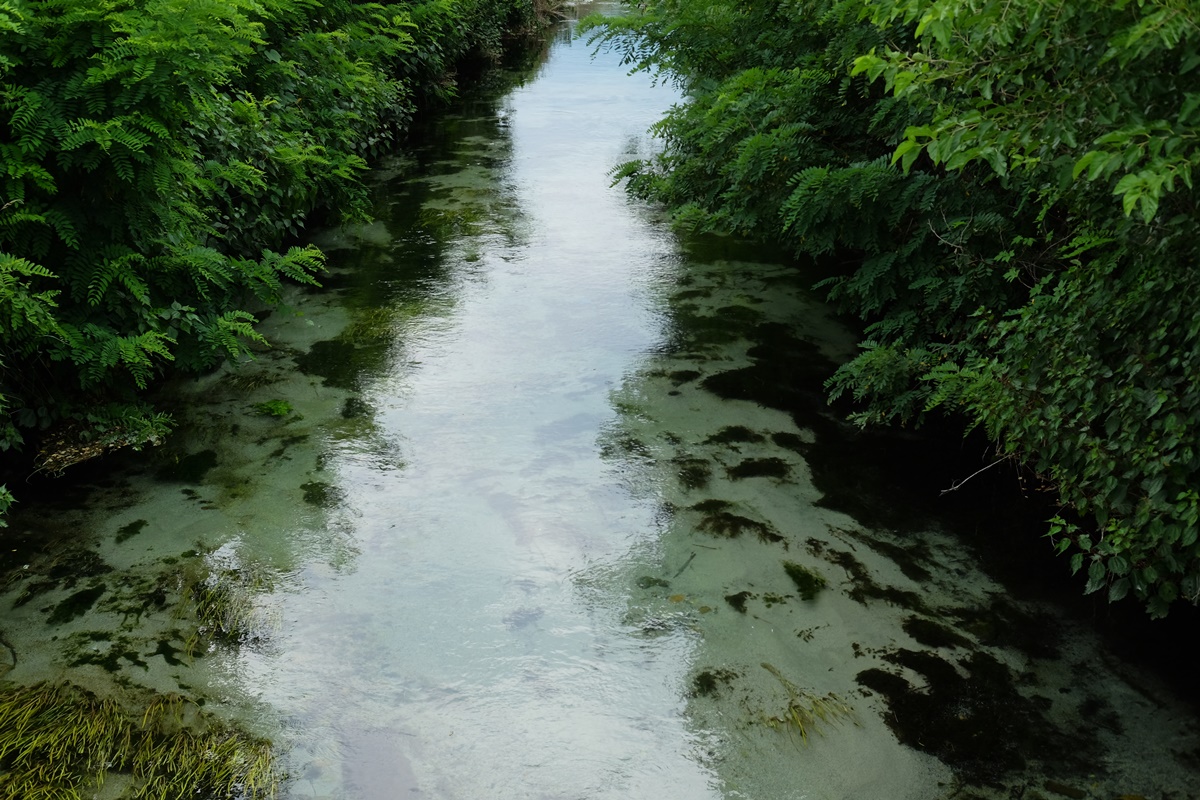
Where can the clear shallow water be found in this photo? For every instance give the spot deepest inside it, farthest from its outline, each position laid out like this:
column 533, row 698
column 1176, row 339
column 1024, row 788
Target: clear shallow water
column 522, row 530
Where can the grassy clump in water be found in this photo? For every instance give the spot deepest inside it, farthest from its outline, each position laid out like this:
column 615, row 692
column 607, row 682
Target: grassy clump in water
column 808, row 581
column 805, row 711
column 222, row 599
column 61, row 741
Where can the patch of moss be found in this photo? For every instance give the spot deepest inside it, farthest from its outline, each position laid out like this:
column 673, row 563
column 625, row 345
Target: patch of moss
column 1099, row 712
column 169, row 652
column 808, row 582
column 102, row 649
column 790, row 441
column 908, row 555
column 864, row 588
column 1003, row 624
column 32, row 590
column 273, row 408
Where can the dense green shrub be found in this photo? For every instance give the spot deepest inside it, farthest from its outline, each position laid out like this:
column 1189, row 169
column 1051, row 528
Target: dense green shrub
column 158, row 155
column 1003, row 191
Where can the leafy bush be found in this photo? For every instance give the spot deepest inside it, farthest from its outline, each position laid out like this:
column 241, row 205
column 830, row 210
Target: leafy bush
column 158, row 155
column 1003, row 191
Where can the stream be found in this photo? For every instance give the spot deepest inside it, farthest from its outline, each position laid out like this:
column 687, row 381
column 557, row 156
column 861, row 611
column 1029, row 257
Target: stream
column 535, row 498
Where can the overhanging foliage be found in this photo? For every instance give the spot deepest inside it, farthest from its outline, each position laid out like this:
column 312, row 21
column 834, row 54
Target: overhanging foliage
column 155, row 158
column 1003, row 191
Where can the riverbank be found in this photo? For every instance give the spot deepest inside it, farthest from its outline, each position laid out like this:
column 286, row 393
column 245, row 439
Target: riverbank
column 524, row 499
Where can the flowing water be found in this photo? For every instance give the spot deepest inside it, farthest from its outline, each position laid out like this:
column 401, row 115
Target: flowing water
column 536, row 500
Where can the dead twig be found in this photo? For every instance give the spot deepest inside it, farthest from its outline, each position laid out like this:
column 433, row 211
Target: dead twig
column 954, row 487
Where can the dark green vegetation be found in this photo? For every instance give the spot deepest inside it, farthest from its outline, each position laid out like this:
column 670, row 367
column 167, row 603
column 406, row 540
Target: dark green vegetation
column 62, row 741
column 160, row 157
column 808, row 582
column 804, row 711
column 1003, row 192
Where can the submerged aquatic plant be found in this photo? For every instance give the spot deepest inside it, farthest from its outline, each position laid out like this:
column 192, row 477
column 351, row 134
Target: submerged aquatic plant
column 273, row 408
column 62, row 741
column 805, row 711
column 223, row 601
column 808, row 581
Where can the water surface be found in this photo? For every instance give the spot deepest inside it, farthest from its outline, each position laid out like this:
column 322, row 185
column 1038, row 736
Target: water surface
column 512, row 502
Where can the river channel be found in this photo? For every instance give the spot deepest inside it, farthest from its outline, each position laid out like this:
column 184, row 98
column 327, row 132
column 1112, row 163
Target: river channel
column 536, row 499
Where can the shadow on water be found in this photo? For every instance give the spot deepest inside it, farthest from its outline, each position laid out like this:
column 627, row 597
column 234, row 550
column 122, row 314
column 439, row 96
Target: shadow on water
column 997, row 684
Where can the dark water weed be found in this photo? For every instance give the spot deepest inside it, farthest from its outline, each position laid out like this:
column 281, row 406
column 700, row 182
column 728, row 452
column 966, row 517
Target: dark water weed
column 808, row 582
column 709, row 682
column 730, row 526
column 694, row 473
column 738, row 601
column 760, row 468
column 62, row 741
column 128, row 531
column 76, row 605
column 735, row 434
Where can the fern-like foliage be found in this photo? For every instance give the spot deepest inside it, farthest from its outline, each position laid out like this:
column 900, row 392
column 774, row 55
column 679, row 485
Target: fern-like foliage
column 149, row 149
